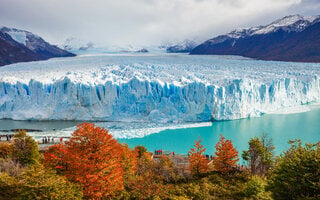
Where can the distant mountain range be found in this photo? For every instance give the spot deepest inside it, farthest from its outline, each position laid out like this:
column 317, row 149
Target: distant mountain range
column 292, row 38
column 74, row 44
column 184, row 47
column 21, row 46
column 83, row 47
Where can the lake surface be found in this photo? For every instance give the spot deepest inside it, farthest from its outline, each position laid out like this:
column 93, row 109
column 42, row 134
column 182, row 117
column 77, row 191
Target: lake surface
column 280, row 127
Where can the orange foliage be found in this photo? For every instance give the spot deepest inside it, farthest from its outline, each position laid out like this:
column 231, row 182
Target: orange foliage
column 147, row 183
column 129, row 162
column 226, row 156
column 148, row 186
column 95, row 160
column 54, row 158
column 5, row 149
column 198, row 163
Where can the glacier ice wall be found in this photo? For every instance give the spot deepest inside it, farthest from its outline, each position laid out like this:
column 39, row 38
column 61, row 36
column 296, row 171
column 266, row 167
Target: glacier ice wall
column 149, row 87
column 145, row 100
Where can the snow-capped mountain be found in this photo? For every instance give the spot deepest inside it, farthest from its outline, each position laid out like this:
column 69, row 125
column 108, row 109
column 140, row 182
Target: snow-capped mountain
column 260, row 41
column 74, row 44
column 83, row 47
column 20, row 45
column 291, row 23
column 184, row 47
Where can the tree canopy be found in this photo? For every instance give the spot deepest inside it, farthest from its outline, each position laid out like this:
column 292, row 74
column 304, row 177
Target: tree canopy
column 297, row 173
column 198, row 163
column 259, row 156
column 94, row 159
column 226, row 156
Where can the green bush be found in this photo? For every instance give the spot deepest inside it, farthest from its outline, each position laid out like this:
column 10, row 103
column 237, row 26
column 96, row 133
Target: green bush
column 24, row 149
column 297, row 173
column 212, row 186
column 40, row 183
column 256, row 189
column 37, row 183
column 9, row 188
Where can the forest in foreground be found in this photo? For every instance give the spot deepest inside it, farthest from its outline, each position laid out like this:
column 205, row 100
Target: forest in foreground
column 94, row 165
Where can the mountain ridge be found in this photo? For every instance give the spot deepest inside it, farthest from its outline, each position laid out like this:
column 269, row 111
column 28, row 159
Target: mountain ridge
column 21, row 46
column 270, row 42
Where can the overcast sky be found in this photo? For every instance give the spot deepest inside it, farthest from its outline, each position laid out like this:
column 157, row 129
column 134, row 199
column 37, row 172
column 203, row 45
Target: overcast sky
column 144, row 22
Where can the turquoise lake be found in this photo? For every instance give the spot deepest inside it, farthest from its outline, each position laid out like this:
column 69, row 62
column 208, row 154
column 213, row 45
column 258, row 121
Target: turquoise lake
column 280, row 127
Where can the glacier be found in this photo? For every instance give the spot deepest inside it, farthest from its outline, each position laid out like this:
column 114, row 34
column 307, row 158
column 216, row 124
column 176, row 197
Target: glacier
column 154, row 88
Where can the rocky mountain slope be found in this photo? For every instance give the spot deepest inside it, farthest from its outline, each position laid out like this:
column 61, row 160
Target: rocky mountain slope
column 292, row 38
column 21, row 46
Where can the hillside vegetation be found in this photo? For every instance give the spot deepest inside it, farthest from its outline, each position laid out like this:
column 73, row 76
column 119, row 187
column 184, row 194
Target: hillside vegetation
column 93, row 165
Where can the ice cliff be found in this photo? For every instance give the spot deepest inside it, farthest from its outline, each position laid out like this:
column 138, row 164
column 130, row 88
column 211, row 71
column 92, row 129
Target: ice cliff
column 154, row 88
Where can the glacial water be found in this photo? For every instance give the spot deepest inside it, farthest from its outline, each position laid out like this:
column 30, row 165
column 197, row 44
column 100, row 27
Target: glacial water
column 280, row 127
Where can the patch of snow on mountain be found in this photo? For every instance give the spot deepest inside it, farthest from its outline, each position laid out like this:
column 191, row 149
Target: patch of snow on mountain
column 286, row 21
column 19, row 36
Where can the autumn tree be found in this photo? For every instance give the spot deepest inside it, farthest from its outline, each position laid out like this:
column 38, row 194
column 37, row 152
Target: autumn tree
column 148, row 182
column 140, row 150
column 198, row 163
column 54, row 158
column 92, row 158
column 129, row 162
column 165, row 168
column 5, row 150
column 24, row 149
column 226, row 156
column 259, row 156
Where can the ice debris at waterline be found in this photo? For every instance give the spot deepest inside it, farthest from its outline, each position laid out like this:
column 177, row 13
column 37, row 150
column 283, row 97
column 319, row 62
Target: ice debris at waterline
column 165, row 88
column 122, row 130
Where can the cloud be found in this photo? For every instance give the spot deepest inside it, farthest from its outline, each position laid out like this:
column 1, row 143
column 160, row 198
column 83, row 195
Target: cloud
column 307, row 7
column 141, row 21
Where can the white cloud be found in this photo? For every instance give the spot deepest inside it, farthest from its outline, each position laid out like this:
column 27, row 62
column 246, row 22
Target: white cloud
column 139, row 21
